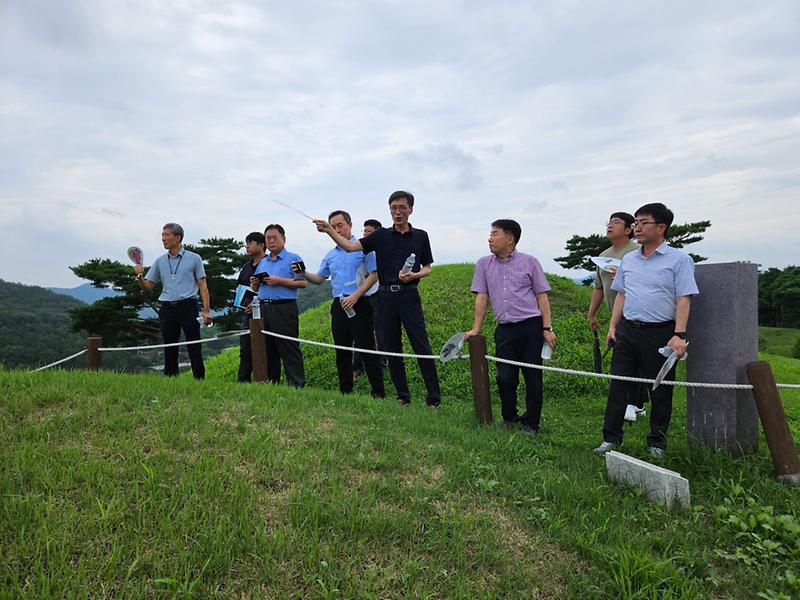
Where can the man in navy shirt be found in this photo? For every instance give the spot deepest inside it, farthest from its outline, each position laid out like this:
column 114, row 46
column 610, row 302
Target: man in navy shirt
column 348, row 295
column 182, row 276
column 399, row 304
column 255, row 248
column 277, row 279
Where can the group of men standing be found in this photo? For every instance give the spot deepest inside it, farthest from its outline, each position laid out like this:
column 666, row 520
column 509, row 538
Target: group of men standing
column 375, row 282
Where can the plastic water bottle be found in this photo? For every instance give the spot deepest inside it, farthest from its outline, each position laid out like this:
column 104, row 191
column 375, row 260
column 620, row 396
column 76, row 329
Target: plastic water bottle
column 256, row 314
column 547, row 351
column 348, row 311
column 409, row 264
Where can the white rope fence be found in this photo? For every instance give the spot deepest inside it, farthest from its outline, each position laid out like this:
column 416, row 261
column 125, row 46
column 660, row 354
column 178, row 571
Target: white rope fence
column 58, row 362
column 351, row 349
column 155, row 346
column 723, row 386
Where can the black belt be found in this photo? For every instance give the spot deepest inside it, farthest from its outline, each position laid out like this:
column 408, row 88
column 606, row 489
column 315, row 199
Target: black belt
column 643, row 325
column 171, row 303
column 282, row 301
column 398, row 287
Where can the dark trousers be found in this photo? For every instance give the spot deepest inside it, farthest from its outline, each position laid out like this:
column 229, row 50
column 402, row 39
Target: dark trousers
column 245, row 353
column 358, row 330
column 358, row 358
column 172, row 319
column 635, row 353
column 283, row 319
column 637, row 392
column 404, row 309
column 522, row 342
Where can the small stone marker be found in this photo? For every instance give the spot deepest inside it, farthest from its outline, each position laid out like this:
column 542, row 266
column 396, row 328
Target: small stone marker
column 659, row 484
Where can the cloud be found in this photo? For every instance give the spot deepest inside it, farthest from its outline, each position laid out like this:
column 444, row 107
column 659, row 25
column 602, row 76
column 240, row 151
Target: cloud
column 116, row 117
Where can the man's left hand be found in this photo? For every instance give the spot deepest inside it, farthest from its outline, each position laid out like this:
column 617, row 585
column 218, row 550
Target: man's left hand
column 206, row 317
column 678, row 345
column 275, row 280
column 407, row 277
column 349, row 301
column 550, row 338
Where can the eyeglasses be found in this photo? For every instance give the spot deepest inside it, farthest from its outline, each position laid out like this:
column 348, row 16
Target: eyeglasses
column 616, row 222
column 640, row 224
column 400, row 208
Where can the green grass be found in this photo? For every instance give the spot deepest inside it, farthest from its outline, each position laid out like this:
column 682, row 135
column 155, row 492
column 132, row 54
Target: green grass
column 777, row 340
column 138, row 486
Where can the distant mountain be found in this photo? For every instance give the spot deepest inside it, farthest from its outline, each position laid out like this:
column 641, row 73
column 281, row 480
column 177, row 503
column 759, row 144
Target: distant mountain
column 34, row 326
column 85, row 293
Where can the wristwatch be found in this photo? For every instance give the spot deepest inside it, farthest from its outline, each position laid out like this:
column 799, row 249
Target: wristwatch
column 680, row 334
column 550, row 329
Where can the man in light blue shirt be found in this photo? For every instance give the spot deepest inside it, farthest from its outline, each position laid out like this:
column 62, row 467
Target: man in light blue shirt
column 182, row 276
column 351, row 310
column 654, row 288
column 277, row 279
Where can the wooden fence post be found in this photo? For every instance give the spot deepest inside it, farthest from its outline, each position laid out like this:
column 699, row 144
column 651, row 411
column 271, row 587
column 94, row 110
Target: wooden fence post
column 258, row 350
column 479, row 368
column 93, row 345
column 773, row 420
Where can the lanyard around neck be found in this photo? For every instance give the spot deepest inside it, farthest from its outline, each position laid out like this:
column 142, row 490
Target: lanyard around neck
column 177, row 266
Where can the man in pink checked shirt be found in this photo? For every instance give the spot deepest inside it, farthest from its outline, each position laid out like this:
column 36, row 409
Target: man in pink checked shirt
column 516, row 286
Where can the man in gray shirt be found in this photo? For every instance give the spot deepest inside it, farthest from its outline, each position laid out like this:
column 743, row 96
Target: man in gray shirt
column 619, row 231
column 654, row 288
column 182, row 275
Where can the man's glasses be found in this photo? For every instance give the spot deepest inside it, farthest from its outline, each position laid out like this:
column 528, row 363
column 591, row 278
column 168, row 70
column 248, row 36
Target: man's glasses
column 398, row 208
column 640, row 224
column 617, row 222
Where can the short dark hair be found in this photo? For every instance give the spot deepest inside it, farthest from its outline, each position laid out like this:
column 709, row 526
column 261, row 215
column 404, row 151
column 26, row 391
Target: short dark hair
column 509, row 226
column 344, row 213
column 373, row 223
column 627, row 217
column 659, row 212
column 256, row 237
column 280, row 229
column 399, row 195
column 175, row 229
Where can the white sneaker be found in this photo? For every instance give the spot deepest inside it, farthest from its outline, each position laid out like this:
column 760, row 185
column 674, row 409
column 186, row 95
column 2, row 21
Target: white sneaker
column 656, row 453
column 605, row 447
column 630, row 413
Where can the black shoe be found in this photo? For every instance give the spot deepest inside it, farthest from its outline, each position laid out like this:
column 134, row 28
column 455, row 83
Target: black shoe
column 433, row 406
column 528, row 431
column 404, row 401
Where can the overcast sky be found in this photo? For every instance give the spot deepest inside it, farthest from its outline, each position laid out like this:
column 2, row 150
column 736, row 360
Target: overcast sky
column 118, row 116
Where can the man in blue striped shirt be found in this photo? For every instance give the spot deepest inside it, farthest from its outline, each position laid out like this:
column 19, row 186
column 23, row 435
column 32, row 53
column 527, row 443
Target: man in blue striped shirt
column 351, row 310
column 654, row 288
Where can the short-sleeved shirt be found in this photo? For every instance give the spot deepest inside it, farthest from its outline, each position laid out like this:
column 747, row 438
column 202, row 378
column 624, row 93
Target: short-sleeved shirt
column 281, row 266
column 652, row 283
column 392, row 248
column 512, row 285
column 246, row 272
column 178, row 275
column 343, row 266
column 603, row 279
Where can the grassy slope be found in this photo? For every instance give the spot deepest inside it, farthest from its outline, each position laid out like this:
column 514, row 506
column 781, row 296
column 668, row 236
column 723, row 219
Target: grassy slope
column 777, row 340
column 141, row 486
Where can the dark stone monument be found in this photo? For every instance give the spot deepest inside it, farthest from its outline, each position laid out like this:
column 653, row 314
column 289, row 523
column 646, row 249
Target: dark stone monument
column 723, row 336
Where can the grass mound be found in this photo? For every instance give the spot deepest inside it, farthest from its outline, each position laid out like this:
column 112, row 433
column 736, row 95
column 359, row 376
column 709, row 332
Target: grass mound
column 136, row 486
column 448, row 306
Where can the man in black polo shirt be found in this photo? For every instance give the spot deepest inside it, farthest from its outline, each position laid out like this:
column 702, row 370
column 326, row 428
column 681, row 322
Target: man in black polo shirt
column 398, row 298
column 255, row 247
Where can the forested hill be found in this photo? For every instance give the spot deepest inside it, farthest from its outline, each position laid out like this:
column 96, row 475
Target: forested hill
column 34, row 325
